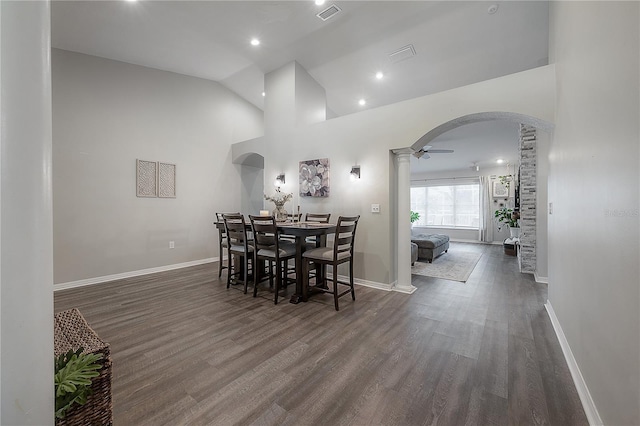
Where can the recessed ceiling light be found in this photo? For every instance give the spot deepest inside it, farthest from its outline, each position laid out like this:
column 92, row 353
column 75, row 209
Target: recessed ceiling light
column 362, row 102
column 379, row 75
column 255, row 42
column 319, row 2
column 500, row 161
column 264, row 94
column 492, row 9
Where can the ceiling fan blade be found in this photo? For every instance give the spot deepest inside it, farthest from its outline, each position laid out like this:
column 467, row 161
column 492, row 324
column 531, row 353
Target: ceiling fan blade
column 440, row 151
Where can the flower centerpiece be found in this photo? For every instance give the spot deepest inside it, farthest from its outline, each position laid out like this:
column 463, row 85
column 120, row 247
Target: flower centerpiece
column 279, row 199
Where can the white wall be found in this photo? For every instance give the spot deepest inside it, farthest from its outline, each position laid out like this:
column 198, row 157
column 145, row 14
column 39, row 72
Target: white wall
column 365, row 138
column 107, row 114
column 542, row 176
column 310, row 98
column 26, row 270
column 594, row 187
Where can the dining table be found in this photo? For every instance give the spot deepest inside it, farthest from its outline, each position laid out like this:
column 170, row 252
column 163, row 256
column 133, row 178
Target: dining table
column 301, row 231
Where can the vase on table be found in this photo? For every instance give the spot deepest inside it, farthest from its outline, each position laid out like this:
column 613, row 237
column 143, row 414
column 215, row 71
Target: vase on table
column 280, row 214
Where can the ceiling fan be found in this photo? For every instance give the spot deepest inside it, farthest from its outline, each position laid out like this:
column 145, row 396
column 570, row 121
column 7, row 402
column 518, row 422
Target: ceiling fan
column 425, row 151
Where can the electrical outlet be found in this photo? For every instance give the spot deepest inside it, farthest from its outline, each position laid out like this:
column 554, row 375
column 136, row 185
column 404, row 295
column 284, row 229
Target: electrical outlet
column 550, row 208
column 172, row 244
column 375, row 208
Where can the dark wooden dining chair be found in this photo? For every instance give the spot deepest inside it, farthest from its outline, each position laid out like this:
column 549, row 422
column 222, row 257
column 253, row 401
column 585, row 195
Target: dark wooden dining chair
column 294, row 217
column 310, row 242
column 222, row 242
column 341, row 252
column 272, row 249
column 317, row 217
column 239, row 250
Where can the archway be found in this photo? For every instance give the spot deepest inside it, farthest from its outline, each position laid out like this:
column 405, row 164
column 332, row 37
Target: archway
column 251, row 170
column 403, row 180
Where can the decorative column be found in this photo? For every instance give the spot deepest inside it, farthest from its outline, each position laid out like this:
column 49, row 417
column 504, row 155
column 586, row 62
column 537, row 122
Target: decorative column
column 527, row 255
column 403, row 170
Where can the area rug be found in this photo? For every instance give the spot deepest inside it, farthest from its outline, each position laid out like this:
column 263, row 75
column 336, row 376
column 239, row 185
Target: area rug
column 453, row 265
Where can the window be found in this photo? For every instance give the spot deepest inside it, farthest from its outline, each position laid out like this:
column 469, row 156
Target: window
column 450, row 206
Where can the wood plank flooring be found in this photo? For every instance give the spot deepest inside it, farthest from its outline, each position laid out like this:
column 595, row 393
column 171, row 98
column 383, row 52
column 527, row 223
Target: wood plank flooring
column 187, row 351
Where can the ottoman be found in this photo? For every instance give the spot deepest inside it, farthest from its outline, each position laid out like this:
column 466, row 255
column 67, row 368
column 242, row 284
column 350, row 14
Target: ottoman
column 431, row 246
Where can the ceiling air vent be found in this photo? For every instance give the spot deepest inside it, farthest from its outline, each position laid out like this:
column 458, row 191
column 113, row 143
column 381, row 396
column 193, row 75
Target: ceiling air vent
column 329, row 12
column 403, row 53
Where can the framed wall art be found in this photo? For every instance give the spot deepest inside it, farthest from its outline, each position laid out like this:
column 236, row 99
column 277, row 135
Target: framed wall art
column 314, row 178
column 500, row 190
column 146, row 181
column 166, row 180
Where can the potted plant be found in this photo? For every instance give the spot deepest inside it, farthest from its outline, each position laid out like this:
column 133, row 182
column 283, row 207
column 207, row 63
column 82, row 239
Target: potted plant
column 415, row 216
column 510, row 218
column 72, row 379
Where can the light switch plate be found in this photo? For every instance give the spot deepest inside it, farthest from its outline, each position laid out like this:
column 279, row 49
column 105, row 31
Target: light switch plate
column 375, row 208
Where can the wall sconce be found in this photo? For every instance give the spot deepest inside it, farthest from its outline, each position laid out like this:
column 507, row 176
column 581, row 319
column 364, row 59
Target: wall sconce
column 279, row 181
column 355, row 173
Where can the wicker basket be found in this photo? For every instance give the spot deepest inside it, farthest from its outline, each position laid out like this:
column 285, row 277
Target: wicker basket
column 71, row 331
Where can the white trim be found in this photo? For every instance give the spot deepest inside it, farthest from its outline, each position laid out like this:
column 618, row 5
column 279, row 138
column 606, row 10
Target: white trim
column 539, row 279
column 406, row 290
column 589, row 406
column 364, row 283
column 98, row 280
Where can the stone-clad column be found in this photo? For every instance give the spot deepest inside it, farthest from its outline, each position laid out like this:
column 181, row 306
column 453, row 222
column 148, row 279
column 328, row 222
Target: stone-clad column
column 403, row 284
column 527, row 182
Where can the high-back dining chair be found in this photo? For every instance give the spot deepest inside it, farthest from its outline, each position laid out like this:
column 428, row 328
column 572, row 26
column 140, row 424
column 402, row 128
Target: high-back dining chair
column 310, row 242
column 239, row 250
column 294, row 217
column 269, row 247
column 222, row 242
column 341, row 252
column 317, row 217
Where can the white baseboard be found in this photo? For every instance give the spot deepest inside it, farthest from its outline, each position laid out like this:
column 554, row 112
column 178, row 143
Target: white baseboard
column 364, row 283
column 583, row 392
column 539, row 279
column 98, row 280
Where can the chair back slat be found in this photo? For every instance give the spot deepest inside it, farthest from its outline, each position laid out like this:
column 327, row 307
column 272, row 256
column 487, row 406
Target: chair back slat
column 265, row 231
column 236, row 228
column 345, row 235
column 220, row 219
column 317, row 217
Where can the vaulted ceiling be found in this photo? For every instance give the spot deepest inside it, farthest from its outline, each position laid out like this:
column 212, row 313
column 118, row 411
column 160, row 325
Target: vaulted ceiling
column 456, row 42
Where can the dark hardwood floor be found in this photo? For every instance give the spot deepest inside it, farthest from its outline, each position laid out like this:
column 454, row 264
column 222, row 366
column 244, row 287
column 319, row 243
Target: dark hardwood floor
column 187, row 351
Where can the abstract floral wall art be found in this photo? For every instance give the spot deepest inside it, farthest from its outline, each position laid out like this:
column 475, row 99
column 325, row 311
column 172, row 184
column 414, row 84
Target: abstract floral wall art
column 314, row 178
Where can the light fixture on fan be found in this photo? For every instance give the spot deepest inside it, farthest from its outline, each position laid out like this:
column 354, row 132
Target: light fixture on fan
column 355, row 173
column 279, row 181
column 426, row 150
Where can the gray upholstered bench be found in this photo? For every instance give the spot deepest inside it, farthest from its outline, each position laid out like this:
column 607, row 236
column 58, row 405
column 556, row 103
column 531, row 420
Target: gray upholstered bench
column 431, row 246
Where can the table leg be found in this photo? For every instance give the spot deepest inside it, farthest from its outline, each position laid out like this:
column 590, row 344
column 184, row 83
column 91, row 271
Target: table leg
column 297, row 297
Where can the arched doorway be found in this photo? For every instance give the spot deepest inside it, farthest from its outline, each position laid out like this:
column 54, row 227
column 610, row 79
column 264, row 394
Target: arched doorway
column 402, row 171
column 251, row 170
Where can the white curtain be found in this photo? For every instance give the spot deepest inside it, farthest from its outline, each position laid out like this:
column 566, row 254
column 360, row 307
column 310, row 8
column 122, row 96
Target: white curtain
column 485, row 233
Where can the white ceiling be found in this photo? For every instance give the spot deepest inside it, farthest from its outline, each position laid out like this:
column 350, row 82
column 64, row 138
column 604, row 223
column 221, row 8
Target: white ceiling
column 457, row 43
column 480, row 143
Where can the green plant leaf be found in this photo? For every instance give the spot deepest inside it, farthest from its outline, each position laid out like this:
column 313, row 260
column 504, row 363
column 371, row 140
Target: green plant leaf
column 72, row 379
